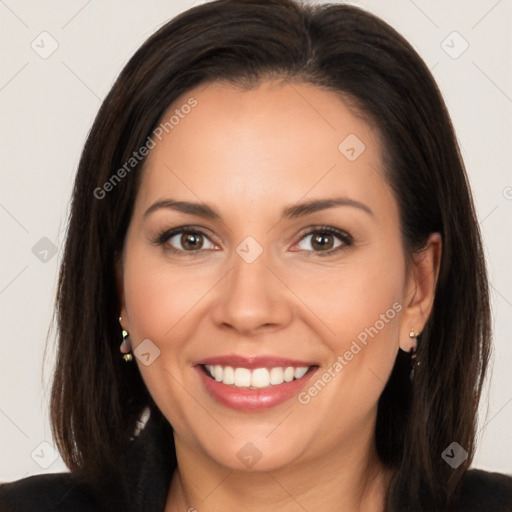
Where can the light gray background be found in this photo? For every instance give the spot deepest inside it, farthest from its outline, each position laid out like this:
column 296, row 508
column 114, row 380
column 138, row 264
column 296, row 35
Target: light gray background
column 48, row 106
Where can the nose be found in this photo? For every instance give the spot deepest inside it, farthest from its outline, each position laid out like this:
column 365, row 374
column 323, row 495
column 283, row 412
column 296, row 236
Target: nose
column 252, row 298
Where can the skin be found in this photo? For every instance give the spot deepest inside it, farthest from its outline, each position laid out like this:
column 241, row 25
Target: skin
column 250, row 154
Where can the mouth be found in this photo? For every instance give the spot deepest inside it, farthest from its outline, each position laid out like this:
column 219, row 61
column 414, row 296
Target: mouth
column 254, row 384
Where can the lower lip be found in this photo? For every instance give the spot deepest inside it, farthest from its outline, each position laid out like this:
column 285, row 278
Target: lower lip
column 249, row 400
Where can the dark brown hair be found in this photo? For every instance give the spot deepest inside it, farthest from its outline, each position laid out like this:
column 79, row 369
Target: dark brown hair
column 97, row 398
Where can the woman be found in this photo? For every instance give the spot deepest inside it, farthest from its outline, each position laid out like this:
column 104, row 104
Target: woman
column 272, row 222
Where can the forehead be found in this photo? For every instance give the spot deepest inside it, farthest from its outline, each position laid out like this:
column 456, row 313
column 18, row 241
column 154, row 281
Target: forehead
column 275, row 142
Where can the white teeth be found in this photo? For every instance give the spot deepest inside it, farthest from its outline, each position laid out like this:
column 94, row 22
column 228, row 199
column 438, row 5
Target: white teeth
column 229, row 375
column 260, row 378
column 257, row 378
column 300, row 372
column 289, row 373
column 276, row 376
column 242, row 377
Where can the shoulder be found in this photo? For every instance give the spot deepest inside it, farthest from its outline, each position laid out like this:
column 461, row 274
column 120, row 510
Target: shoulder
column 55, row 492
column 483, row 491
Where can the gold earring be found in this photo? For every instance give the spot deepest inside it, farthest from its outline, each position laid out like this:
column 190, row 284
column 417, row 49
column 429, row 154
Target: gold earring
column 125, row 345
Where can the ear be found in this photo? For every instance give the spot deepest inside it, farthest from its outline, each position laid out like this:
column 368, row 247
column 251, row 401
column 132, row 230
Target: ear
column 420, row 289
column 118, row 265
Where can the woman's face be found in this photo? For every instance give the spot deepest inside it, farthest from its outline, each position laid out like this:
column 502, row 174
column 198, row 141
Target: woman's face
column 243, row 286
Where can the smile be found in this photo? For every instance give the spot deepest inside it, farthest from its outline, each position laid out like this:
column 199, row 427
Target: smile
column 251, row 384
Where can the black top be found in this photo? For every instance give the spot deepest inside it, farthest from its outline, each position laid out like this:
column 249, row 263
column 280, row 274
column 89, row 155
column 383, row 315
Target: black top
column 147, row 469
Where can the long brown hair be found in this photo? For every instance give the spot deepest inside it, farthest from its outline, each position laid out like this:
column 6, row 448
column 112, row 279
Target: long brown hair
column 97, row 399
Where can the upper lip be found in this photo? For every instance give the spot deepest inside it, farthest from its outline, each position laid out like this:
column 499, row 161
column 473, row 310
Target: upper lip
column 252, row 362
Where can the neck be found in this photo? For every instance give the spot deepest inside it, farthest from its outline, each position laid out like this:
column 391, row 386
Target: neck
column 350, row 478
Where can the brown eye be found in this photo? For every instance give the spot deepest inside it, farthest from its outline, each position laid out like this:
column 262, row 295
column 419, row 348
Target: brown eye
column 184, row 241
column 325, row 241
column 322, row 241
column 191, row 240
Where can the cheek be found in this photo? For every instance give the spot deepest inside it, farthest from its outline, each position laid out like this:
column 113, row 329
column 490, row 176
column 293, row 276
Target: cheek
column 363, row 293
column 363, row 314
column 361, row 303
column 158, row 295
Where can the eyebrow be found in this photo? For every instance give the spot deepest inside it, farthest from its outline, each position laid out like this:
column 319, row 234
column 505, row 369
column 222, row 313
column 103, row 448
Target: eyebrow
column 290, row 212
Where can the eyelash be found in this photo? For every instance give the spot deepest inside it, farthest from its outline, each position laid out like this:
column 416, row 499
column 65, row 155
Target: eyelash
column 343, row 236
